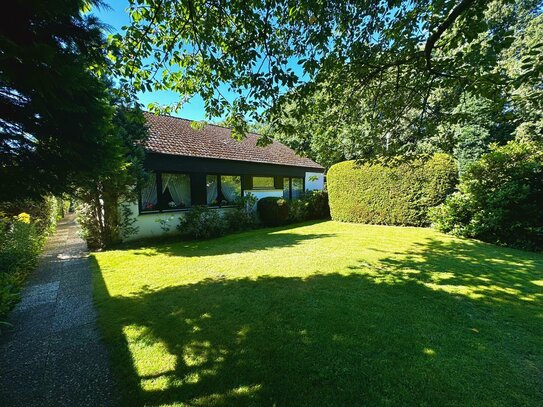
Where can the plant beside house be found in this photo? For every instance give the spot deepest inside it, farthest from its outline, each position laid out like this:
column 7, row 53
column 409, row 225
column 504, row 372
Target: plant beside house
column 273, row 211
column 22, row 235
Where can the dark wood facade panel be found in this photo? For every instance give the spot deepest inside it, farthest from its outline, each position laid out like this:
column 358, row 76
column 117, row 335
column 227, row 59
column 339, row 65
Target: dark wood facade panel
column 174, row 163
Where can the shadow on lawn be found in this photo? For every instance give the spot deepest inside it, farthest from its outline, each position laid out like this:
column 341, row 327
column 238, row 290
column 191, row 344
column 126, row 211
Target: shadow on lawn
column 381, row 335
column 244, row 242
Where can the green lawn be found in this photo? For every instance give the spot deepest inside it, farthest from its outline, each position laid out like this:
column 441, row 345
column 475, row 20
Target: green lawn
column 324, row 314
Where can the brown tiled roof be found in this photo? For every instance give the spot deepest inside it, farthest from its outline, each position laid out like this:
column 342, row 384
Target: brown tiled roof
column 172, row 135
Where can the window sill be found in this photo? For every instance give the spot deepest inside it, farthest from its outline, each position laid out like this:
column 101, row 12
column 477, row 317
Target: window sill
column 158, row 211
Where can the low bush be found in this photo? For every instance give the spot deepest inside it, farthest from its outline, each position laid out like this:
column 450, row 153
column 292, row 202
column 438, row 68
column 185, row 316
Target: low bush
column 20, row 244
column 317, row 205
column 500, row 198
column 243, row 216
column 312, row 205
column 390, row 194
column 202, row 222
column 273, row 211
column 297, row 210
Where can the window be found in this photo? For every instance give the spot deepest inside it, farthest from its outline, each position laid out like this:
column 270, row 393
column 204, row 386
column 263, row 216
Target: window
column 149, row 197
column 212, row 186
column 223, row 189
column 230, row 188
column 286, row 188
column 297, row 188
column 263, row 183
column 165, row 191
column 176, row 191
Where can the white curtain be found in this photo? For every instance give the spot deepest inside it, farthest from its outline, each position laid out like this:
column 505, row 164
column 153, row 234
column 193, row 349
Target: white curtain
column 179, row 187
column 211, row 183
column 149, row 198
column 231, row 187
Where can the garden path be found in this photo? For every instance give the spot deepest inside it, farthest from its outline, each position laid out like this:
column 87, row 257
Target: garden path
column 52, row 354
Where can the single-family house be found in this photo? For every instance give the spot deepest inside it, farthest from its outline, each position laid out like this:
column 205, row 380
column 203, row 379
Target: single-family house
column 207, row 166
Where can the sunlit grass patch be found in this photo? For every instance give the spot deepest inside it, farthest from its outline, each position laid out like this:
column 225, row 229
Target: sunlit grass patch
column 324, row 314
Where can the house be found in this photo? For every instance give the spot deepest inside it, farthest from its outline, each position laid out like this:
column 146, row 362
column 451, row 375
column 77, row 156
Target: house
column 207, row 166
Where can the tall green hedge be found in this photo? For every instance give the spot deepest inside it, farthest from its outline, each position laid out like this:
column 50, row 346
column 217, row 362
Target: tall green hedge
column 390, row 194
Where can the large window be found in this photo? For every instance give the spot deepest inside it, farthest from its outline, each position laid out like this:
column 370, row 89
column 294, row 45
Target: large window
column 230, row 188
column 263, row 183
column 212, row 186
column 293, row 188
column 149, row 196
column 286, row 188
column 165, row 191
column 223, row 189
column 297, row 188
column 176, row 191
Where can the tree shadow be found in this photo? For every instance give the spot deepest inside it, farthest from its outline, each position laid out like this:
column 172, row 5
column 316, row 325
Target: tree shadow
column 469, row 268
column 243, row 242
column 335, row 339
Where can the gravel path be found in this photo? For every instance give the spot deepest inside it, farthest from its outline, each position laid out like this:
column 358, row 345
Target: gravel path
column 53, row 355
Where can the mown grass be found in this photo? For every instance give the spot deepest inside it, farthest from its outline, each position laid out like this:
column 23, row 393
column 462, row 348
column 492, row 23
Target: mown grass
column 324, row 314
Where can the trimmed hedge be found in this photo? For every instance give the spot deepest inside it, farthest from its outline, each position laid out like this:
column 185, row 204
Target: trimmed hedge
column 390, row 195
column 273, row 211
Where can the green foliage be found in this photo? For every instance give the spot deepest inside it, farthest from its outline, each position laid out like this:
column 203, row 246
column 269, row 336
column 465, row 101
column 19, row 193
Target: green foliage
column 317, row 204
column 372, row 77
column 202, row 222
column 390, row 195
column 273, row 211
column 54, row 106
column 44, row 212
column 401, row 112
column 297, row 210
column 20, row 245
column 103, row 214
column 243, row 216
column 472, row 143
column 500, row 198
column 311, row 206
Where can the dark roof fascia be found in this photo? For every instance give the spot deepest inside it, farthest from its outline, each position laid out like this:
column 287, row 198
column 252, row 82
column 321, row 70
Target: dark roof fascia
column 191, row 164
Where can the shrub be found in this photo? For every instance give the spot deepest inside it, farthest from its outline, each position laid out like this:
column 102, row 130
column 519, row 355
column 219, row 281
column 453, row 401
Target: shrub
column 390, row 195
column 500, row 198
column 44, row 212
column 243, row 216
column 273, row 211
column 297, row 210
column 202, row 222
column 20, row 244
column 317, row 205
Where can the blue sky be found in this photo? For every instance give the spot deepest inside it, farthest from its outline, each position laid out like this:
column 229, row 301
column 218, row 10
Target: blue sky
column 116, row 17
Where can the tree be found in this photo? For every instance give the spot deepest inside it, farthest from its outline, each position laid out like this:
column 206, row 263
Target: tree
column 500, row 198
column 337, row 122
column 104, row 197
column 53, row 106
column 377, row 65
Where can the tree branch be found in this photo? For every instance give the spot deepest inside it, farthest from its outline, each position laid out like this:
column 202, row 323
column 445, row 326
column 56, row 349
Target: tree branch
column 441, row 28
